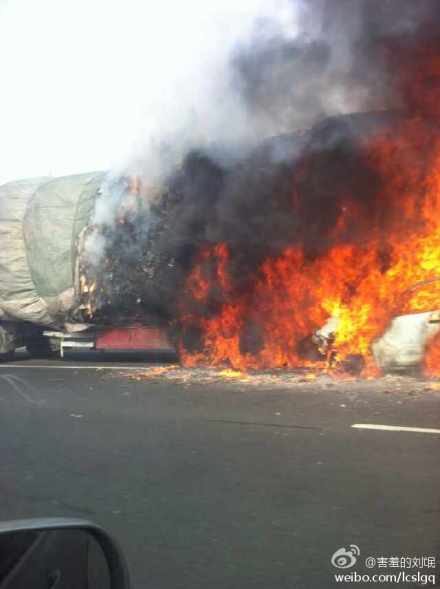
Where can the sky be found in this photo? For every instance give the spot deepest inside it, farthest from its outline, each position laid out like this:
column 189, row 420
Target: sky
column 86, row 83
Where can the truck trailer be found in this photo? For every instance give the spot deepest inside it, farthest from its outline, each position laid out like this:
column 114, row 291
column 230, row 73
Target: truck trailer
column 47, row 295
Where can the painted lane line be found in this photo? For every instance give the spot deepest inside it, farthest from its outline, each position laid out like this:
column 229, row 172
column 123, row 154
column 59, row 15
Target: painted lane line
column 396, row 428
column 51, row 367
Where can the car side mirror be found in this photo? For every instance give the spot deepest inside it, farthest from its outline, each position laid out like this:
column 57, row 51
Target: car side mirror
column 60, row 553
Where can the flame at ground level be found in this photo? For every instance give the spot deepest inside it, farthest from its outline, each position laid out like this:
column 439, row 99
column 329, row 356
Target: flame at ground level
column 432, row 357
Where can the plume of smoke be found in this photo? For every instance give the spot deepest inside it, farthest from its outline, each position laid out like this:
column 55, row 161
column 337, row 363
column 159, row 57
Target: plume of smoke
column 223, row 83
column 271, row 68
column 193, row 100
column 201, row 105
column 266, row 68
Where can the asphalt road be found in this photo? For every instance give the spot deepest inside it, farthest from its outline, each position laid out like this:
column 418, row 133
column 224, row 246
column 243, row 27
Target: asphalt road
column 221, row 486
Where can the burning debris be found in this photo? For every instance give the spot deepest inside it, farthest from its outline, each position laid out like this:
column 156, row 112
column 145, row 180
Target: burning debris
column 117, row 265
column 393, row 386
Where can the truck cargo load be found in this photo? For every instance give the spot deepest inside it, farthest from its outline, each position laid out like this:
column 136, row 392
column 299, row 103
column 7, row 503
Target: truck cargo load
column 52, row 293
column 40, row 222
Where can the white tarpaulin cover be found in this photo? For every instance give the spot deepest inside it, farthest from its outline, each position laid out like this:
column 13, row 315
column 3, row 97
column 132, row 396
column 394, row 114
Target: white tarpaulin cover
column 40, row 220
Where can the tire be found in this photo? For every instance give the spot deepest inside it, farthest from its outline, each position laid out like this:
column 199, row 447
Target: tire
column 8, row 342
column 39, row 347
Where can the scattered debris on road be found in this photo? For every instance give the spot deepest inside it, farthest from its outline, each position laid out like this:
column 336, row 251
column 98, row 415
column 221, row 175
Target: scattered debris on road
column 277, row 379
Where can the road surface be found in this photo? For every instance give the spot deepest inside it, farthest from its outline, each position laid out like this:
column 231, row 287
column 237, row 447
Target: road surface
column 222, row 485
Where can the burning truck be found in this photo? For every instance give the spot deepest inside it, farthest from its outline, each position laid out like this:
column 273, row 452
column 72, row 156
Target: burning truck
column 53, row 296
column 319, row 248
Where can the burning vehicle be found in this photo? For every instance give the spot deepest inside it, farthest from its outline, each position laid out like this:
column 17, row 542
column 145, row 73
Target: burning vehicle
column 317, row 248
column 52, row 297
column 334, row 268
column 340, row 242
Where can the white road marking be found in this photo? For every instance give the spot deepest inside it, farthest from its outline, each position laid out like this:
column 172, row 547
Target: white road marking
column 21, row 387
column 396, row 428
column 75, row 367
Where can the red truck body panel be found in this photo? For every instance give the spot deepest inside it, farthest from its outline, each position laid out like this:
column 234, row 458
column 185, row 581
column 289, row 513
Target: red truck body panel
column 134, row 337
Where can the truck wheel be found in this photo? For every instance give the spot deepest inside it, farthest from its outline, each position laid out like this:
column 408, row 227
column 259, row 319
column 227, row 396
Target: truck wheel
column 39, row 347
column 8, row 342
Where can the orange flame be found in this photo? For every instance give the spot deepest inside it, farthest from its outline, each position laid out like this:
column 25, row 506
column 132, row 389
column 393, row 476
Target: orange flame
column 363, row 284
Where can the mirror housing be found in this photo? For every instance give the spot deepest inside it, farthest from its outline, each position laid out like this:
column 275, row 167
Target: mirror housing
column 117, row 566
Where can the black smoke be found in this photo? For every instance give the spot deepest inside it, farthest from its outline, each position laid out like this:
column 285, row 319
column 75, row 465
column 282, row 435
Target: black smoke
column 291, row 188
column 337, row 64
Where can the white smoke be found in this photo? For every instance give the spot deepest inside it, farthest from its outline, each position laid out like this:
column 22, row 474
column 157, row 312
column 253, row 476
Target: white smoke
column 192, row 100
column 85, row 83
column 179, row 79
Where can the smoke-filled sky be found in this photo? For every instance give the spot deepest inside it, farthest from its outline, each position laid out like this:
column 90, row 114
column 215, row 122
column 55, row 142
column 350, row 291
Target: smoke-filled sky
column 134, row 84
column 87, row 84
